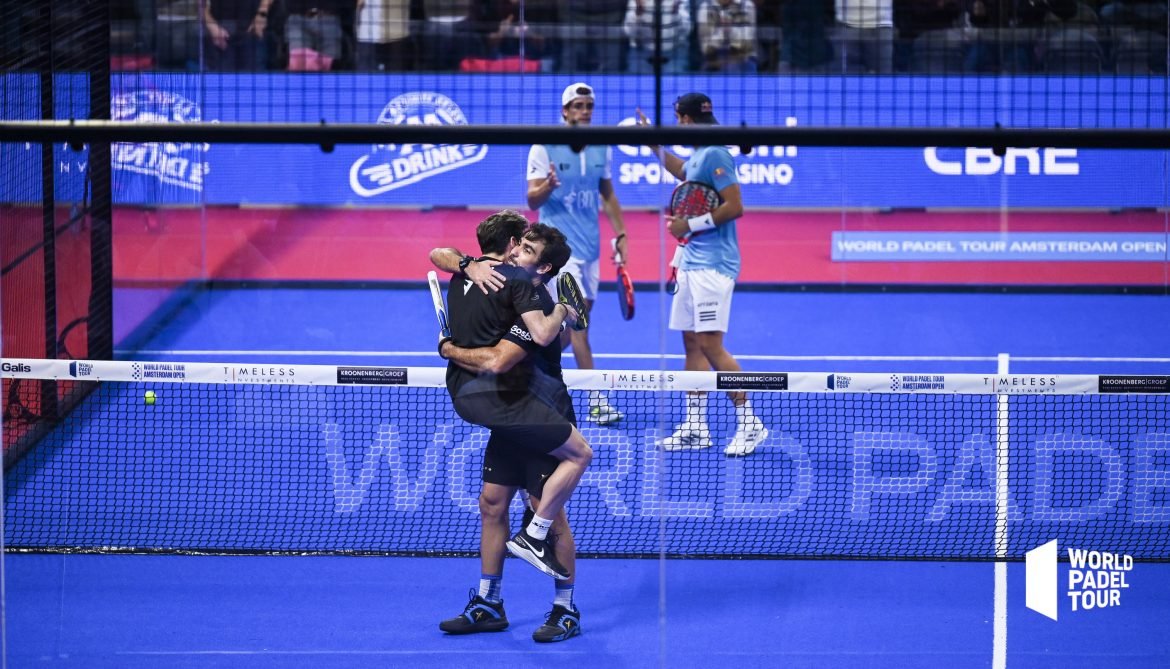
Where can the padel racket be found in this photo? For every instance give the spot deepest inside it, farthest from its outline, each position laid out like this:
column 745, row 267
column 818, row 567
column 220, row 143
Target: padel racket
column 625, row 284
column 689, row 199
column 570, row 293
column 440, row 309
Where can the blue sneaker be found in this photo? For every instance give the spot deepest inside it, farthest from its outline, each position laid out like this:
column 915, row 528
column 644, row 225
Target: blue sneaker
column 480, row 615
column 561, row 624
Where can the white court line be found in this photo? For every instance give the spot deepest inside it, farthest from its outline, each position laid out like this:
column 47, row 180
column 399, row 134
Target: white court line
column 1060, row 359
column 999, row 624
column 653, row 356
column 388, row 652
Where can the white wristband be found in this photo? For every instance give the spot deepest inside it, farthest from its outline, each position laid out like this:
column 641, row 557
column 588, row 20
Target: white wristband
column 701, row 223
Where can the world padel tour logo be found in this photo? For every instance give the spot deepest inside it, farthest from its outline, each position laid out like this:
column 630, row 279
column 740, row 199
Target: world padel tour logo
column 142, row 371
column 915, row 382
column 1096, row 579
column 80, row 369
column 391, row 166
column 181, row 165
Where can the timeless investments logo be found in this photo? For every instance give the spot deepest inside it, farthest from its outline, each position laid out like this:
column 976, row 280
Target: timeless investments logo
column 1095, row 579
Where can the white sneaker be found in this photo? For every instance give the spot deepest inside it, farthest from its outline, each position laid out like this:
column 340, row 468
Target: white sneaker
column 604, row 414
column 747, row 438
column 688, row 436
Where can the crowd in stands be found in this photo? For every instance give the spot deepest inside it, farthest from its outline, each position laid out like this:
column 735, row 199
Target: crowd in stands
column 619, row 36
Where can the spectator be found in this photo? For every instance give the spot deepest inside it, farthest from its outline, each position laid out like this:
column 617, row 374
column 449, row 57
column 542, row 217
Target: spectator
column 314, row 34
column 449, row 33
column 1149, row 15
column 804, row 45
column 1008, row 32
column 237, row 34
column 937, row 19
column 525, row 36
column 865, row 35
column 727, row 36
column 383, row 35
column 597, row 43
column 768, row 19
column 676, row 27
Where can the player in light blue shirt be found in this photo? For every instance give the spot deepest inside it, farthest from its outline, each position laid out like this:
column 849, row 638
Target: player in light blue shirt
column 707, row 270
column 570, row 186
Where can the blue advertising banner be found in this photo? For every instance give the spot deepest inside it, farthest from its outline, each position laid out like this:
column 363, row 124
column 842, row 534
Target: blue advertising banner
column 983, row 246
column 490, row 176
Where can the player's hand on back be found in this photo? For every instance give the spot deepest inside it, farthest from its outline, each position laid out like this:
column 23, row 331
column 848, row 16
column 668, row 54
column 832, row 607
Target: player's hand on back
column 553, row 181
column 483, row 274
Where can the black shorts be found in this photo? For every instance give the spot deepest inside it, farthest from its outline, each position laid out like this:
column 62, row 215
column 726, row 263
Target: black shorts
column 506, row 465
column 520, row 419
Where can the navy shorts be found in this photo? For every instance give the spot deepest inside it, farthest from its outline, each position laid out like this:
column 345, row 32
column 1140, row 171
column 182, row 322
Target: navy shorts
column 514, row 457
column 524, row 420
column 506, row 465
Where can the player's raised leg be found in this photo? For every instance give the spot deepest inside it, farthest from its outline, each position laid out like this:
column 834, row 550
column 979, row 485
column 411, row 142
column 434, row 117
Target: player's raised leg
column 530, row 543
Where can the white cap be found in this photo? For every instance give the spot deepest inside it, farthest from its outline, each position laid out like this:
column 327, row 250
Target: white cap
column 574, row 91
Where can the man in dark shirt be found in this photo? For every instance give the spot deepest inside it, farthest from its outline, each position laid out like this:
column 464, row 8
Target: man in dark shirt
column 239, row 34
column 510, row 464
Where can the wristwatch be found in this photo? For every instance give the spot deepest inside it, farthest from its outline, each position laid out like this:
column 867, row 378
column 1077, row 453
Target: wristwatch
column 464, row 262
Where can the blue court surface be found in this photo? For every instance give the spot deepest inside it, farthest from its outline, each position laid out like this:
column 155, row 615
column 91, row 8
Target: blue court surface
column 319, row 611
column 792, row 331
column 197, row 611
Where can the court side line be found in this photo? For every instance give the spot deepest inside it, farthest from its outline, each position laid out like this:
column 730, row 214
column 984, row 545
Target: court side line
column 999, row 625
column 655, row 356
column 1018, row 358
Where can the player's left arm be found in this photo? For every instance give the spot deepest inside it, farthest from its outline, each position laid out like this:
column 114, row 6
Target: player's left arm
column 718, row 170
column 721, row 169
column 612, row 207
column 494, row 359
column 481, row 272
column 547, row 327
column 732, row 207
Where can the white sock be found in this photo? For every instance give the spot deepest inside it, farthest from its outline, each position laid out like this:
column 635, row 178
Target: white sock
column 596, row 399
column 744, row 416
column 490, row 587
column 538, row 528
column 696, row 409
column 564, row 596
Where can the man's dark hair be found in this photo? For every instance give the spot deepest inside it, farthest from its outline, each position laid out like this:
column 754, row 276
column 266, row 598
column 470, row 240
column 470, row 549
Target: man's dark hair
column 698, row 106
column 556, row 247
column 496, row 231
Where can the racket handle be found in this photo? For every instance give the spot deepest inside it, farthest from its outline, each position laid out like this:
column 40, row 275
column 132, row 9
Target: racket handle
column 440, row 307
column 617, row 255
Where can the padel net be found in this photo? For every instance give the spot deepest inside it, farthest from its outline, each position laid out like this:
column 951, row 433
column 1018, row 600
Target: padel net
column 301, row 459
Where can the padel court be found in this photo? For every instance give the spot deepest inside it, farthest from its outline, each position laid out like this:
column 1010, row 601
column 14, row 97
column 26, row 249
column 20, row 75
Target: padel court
column 301, row 468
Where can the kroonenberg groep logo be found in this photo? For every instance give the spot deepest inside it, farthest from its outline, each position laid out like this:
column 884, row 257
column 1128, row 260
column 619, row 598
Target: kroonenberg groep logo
column 391, row 166
column 179, row 165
